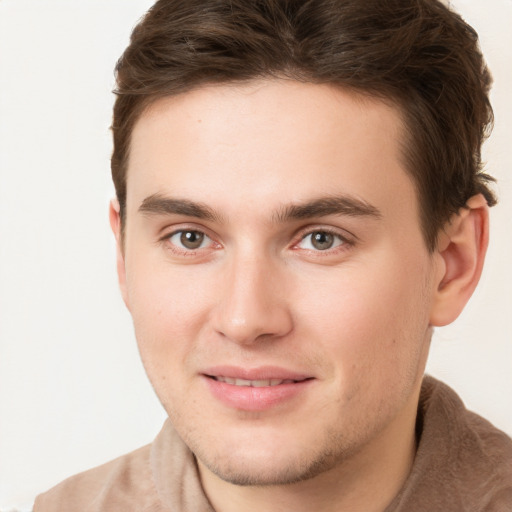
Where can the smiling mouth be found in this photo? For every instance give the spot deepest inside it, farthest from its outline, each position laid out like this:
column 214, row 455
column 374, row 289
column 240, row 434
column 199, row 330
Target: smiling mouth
column 261, row 383
column 255, row 390
column 252, row 383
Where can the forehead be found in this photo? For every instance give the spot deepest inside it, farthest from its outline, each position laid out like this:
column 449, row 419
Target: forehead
column 266, row 143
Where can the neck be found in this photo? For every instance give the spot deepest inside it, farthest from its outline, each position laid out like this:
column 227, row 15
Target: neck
column 367, row 482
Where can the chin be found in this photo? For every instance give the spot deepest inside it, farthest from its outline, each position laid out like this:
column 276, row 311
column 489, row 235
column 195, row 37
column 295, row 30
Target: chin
column 271, row 467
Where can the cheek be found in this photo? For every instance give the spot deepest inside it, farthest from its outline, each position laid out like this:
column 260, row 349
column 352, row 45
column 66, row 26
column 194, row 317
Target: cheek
column 166, row 298
column 371, row 320
column 168, row 311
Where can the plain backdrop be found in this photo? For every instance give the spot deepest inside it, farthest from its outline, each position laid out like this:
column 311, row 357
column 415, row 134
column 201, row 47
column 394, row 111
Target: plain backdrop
column 73, row 393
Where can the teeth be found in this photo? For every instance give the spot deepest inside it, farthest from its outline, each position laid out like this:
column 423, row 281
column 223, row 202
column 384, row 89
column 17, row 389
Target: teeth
column 254, row 383
column 242, row 382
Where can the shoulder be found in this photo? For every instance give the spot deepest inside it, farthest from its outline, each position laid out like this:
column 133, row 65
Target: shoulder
column 463, row 462
column 160, row 477
column 446, row 419
column 122, row 484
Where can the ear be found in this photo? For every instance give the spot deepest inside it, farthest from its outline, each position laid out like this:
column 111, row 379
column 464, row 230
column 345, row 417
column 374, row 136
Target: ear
column 116, row 225
column 462, row 245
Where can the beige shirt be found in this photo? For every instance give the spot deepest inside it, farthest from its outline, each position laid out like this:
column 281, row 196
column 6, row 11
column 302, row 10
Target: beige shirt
column 463, row 463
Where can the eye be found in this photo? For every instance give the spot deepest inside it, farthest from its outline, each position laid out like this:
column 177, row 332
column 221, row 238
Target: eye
column 189, row 239
column 320, row 241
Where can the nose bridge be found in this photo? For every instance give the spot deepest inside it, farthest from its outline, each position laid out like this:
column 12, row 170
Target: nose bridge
column 252, row 304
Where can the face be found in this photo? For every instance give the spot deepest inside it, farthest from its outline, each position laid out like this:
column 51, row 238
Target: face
column 277, row 276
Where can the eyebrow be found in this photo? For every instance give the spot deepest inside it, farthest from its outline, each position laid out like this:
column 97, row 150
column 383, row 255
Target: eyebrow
column 158, row 204
column 324, row 206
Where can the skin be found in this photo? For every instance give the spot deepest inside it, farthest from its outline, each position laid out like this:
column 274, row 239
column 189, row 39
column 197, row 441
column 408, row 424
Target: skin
column 355, row 317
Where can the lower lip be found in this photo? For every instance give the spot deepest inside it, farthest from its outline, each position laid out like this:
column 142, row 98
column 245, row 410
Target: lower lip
column 248, row 398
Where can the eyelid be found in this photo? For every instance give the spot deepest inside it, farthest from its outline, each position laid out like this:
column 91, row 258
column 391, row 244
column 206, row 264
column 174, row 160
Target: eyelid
column 348, row 238
column 345, row 236
column 168, row 232
column 171, row 229
column 205, row 240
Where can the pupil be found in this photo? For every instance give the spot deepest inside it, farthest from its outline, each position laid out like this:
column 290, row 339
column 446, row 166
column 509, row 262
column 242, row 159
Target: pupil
column 191, row 239
column 322, row 240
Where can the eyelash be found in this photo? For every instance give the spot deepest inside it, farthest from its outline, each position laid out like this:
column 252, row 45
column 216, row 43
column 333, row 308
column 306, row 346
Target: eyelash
column 166, row 240
column 344, row 242
column 343, row 245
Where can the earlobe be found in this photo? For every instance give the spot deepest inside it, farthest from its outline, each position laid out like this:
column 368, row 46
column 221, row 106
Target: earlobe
column 116, row 225
column 461, row 249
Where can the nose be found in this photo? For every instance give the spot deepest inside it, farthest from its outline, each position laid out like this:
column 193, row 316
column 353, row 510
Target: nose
column 253, row 303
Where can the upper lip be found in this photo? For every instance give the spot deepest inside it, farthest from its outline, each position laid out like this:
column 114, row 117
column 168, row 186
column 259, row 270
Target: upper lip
column 258, row 373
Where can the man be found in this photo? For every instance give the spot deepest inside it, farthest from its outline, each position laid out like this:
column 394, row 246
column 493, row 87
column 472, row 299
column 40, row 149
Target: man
column 300, row 201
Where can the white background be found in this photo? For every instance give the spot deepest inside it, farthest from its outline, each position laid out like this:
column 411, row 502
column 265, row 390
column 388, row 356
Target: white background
column 73, row 393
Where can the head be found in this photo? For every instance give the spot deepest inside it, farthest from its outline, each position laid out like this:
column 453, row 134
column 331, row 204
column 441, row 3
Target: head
column 300, row 200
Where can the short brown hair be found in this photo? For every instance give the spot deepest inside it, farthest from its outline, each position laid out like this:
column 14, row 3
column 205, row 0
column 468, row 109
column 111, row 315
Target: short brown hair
column 418, row 54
